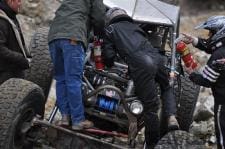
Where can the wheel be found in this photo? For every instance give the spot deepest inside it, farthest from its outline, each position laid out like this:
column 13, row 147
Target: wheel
column 41, row 68
column 20, row 101
column 180, row 139
column 186, row 97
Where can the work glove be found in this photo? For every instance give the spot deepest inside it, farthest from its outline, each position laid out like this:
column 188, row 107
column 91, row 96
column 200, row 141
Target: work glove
column 29, row 61
column 189, row 39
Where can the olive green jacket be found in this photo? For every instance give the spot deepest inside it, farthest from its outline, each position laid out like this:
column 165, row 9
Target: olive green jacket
column 75, row 18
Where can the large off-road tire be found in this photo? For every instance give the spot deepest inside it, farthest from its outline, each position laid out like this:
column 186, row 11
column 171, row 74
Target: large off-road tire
column 186, row 96
column 179, row 140
column 41, row 68
column 20, row 101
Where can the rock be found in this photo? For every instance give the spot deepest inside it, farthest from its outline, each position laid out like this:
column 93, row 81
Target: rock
column 203, row 129
column 201, row 57
column 212, row 140
column 180, row 140
column 204, row 109
column 28, row 27
column 199, row 129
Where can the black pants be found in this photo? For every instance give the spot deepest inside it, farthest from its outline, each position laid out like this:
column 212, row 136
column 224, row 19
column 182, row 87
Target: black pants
column 219, row 115
column 5, row 75
column 167, row 95
column 142, row 69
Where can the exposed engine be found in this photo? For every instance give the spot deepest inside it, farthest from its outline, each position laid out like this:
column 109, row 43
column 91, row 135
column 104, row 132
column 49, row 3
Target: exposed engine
column 109, row 93
column 105, row 91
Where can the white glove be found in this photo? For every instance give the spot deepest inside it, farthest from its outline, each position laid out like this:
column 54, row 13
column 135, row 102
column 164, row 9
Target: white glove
column 189, row 39
column 29, row 61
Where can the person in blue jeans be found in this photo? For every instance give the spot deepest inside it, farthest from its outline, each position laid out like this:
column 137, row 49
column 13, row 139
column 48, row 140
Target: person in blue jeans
column 67, row 39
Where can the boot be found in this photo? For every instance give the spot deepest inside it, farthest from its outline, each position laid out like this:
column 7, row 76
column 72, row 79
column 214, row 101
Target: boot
column 172, row 123
column 83, row 125
column 65, row 121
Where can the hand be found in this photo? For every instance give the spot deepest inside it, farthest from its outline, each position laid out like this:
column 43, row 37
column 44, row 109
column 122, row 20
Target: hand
column 186, row 38
column 29, row 61
column 189, row 39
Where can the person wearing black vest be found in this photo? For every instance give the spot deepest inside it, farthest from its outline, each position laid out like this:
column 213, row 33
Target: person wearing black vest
column 14, row 56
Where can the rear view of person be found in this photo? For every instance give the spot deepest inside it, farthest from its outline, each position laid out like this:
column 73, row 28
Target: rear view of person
column 67, row 38
column 127, row 39
column 14, row 56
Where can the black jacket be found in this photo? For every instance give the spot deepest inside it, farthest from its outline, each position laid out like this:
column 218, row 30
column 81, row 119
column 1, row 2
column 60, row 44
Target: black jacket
column 132, row 44
column 11, row 56
column 212, row 76
column 127, row 39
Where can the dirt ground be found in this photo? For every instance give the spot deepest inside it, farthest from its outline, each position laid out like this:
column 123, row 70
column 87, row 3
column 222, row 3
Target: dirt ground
column 194, row 12
column 200, row 7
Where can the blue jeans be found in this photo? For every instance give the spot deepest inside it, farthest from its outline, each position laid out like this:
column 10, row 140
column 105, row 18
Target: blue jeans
column 68, row 61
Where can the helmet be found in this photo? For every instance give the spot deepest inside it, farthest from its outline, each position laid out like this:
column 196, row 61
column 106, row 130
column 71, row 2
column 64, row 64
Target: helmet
column 215, row 24
column 114, row 12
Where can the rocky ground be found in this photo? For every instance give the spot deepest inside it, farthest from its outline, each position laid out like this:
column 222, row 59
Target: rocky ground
column 36, row 13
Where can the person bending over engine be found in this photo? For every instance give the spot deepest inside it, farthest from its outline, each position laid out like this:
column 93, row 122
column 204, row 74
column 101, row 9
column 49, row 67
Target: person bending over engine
column 145, row 64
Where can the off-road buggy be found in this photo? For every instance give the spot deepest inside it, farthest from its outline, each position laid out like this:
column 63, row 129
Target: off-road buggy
column 108, row 94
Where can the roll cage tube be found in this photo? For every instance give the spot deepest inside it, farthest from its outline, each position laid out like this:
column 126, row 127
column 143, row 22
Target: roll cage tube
column 174, row 34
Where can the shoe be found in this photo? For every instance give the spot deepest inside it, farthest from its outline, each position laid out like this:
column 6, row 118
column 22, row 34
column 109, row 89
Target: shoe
column 149, row 146
column 65, row 121
column 172, row 123
column 83, row 125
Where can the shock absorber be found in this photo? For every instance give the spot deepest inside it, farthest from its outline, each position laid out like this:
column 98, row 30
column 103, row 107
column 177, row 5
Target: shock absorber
column 130, row 88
